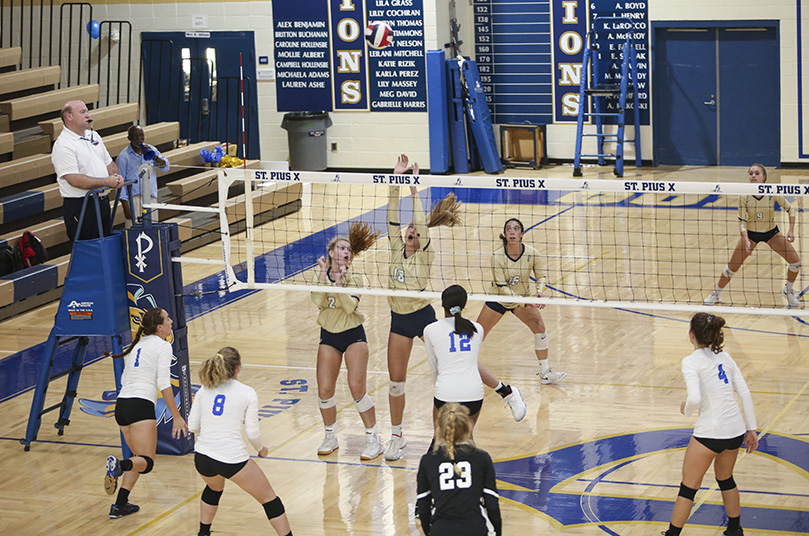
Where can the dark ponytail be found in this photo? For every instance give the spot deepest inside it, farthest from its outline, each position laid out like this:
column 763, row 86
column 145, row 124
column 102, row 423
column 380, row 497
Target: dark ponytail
column 453, row 299
column 503, row 235
column 707, row 330
column 148, row 326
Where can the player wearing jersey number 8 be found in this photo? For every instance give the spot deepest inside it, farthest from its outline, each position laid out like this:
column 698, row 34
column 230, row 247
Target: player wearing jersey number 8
column 222, row 408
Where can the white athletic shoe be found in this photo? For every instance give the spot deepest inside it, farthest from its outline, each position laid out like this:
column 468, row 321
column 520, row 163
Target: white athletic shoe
column 712, row 299
column 792, row 300
column 373, row 447
column 329, row 444
column 517, row 405
column 552, row 376
column 395, row 446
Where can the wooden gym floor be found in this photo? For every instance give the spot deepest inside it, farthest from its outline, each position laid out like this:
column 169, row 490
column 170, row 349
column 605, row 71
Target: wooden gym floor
column 600, row 453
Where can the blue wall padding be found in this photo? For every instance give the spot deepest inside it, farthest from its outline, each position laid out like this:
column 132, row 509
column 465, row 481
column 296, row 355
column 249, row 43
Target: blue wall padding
column 438, row 111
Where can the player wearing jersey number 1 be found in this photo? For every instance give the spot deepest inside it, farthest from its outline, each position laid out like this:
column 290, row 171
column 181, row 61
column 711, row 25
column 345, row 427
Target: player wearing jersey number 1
column 222, row 407
column 147, row 371
column 453, row 478
column 711, row 377
column 342, row 334
column 411, row 258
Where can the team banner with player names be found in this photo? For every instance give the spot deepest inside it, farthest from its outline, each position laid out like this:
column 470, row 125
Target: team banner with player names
column 322, row 60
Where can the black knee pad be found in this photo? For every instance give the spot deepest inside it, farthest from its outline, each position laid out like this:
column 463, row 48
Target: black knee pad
column 688, row 493
column 274, row 508
column 210, row 496
column 726, row 485
column 149, row 464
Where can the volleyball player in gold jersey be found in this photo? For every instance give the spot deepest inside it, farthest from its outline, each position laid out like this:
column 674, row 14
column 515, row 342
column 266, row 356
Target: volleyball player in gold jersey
column 512, row 266
column 342, row 334
column 757, row 223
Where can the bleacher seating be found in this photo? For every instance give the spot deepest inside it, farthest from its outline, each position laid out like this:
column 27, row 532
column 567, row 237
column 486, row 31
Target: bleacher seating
column 6, row 143
column 10, row 56
column 48, row 102
column 29, row 79
column 106, row 117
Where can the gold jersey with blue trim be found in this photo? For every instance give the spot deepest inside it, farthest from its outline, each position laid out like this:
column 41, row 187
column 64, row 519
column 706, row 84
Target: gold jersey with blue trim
column 338, row 312
column 757, row 214
column 413, row 272
column 512, row 277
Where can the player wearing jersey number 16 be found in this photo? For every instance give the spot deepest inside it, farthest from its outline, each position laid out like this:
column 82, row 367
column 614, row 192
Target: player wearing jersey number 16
column 147, row 371
column 222, row 407
column 711, row 377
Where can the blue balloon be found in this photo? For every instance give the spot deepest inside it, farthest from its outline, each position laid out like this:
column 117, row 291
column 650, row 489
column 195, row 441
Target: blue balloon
column 94, row 29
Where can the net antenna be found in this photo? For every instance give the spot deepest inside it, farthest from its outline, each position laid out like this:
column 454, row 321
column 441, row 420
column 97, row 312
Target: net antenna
column 643, row 245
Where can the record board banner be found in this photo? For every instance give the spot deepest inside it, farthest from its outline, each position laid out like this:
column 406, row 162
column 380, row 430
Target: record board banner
column 323, row 62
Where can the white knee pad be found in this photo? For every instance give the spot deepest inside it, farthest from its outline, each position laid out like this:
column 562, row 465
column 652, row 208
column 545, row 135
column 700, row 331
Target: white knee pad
column 326, row 404
column 396, row 389
column 795, row 267
column 364, row 404
column 541, row 341
column 727, row 272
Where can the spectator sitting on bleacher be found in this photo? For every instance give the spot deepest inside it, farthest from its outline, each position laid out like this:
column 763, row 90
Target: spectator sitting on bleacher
column 129, row 161
column 82, row 163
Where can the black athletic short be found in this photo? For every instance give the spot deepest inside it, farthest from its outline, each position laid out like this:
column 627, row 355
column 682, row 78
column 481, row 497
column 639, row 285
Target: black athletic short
column 762, row 237
column 132, row 410
column 473, row 407
column 412, row 325
column 207, row 466
column 720, row 445
column 498, row 308
column 341, row 341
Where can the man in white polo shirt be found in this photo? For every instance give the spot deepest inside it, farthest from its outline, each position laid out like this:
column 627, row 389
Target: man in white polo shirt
column 82, row 163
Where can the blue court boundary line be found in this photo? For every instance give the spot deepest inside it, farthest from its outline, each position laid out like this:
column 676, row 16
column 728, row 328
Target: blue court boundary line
column 20, row 370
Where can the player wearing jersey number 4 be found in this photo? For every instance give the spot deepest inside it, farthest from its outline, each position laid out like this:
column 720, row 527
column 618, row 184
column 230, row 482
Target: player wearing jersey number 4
column 411, row 258
column 147, row 371
column 757, row 223
column 222, row 407
column 711, row 377
column 512, row 267
column 454, row 478
column 342, row 334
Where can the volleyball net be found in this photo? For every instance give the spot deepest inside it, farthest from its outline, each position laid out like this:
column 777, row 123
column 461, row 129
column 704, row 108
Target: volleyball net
column 603, row 243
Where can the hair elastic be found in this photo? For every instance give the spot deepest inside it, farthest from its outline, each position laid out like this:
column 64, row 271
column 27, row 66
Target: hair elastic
column 708, row 320
column 455, row 310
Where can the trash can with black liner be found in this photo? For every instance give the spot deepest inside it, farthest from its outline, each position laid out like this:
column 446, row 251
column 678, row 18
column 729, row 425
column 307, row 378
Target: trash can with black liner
column 306, row 132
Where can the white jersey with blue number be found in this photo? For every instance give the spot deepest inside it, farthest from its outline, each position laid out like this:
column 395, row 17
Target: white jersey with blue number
column 711, row 380
column 217, row 418
column 453, row 361
column 147, row 369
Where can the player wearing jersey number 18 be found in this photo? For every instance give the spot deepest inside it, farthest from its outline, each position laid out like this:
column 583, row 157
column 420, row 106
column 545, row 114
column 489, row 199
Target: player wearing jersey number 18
column 222, row 407
column 147, row 371
column 453, row 478
column 711, row 377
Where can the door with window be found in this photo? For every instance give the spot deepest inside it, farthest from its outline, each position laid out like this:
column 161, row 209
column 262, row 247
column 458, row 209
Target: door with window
column 717, row 94
column 194, row 78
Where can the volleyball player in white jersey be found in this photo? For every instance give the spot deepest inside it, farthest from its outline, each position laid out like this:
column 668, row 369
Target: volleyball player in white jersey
column 711, row 377
column 757, row 224
column 342, row 334
column 147, row 370
column 453, row 344
column 453, row 479
column 222, row 407
column 411, row 259
column 512, row 267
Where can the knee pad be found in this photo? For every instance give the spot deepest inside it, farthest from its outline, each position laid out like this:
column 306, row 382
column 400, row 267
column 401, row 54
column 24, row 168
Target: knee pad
column 727, row 272
column 210, row 496
column 688, row 493
column 795, row 267
column 364, row 404
column 326, row 404
column 541, row 341
column 274, row 508
column 726, row 485
column 149, row 465
column 396, row 389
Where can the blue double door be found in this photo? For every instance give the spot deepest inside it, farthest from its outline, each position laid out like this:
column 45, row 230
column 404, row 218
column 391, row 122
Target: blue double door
column 194, row 78
column 716, row 95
